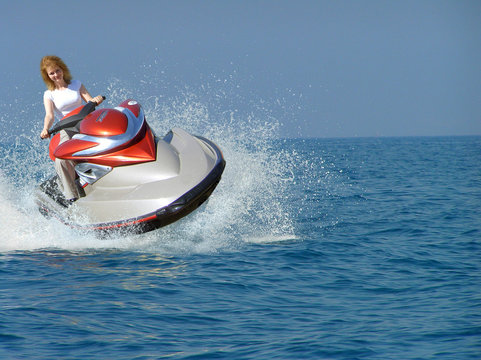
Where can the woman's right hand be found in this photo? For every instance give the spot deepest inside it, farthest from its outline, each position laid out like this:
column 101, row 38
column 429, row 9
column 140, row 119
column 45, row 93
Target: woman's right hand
column 44, row 134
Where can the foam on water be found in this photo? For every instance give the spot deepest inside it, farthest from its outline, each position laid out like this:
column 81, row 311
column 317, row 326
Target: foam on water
column 249, row 203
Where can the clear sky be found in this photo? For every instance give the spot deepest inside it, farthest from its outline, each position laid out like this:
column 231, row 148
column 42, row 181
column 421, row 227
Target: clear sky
column 326, row 68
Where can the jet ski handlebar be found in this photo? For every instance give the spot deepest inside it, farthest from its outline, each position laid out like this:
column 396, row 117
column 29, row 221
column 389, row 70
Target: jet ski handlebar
column 73, row 120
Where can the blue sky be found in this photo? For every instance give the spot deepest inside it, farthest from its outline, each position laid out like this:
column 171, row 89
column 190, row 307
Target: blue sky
column 323, row 68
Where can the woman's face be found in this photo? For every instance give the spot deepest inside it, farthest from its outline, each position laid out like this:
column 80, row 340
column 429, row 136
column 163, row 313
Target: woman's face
column 55, row 73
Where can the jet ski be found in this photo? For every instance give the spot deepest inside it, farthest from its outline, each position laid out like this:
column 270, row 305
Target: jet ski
column 129, row 179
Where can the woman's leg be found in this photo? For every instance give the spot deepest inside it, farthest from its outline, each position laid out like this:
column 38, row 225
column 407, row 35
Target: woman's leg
column 66, row 173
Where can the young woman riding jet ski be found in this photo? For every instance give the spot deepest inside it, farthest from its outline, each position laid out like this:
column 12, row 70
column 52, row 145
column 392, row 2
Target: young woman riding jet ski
column 63, row 95
column 123, row 176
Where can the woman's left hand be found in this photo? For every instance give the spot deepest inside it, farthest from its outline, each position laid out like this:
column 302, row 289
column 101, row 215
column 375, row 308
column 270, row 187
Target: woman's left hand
column 98, row 99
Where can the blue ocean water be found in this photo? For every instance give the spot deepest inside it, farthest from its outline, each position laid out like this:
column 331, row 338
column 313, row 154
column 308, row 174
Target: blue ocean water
column 309, row 248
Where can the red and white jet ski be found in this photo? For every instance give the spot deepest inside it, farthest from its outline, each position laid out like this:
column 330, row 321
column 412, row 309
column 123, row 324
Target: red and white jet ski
column 129, row 178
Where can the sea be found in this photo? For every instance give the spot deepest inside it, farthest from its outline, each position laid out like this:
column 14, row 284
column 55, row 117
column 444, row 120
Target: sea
column 309, row 248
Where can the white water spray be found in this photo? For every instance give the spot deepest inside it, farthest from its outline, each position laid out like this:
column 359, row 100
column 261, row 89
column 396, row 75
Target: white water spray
column 249, row 204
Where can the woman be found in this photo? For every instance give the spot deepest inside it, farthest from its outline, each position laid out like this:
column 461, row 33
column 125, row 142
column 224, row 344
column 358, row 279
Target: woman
column 63, row 95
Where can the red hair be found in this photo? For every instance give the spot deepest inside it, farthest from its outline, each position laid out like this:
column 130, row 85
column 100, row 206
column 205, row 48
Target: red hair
column 50, row 61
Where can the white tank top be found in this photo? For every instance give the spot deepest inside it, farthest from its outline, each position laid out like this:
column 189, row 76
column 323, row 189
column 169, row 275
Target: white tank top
column 65, row 100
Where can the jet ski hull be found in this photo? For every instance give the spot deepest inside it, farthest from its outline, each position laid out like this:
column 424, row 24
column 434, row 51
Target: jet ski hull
column 186, row 171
